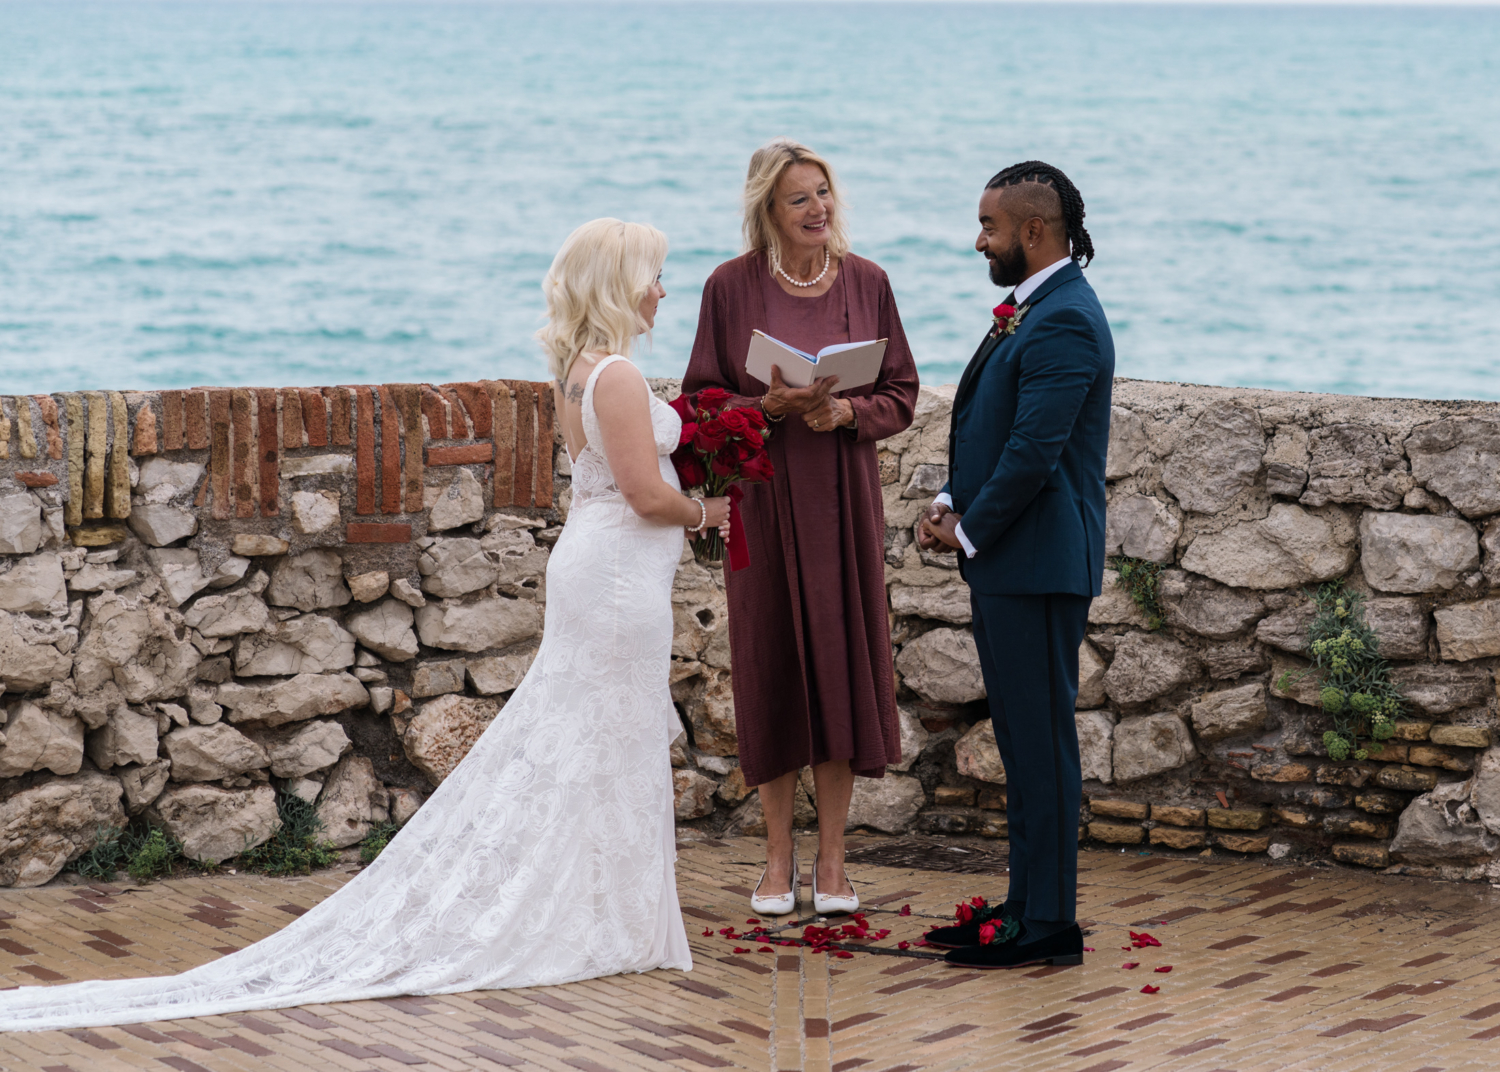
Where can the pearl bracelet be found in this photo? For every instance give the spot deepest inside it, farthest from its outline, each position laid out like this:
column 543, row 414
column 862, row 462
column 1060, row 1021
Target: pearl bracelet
column 703, row 515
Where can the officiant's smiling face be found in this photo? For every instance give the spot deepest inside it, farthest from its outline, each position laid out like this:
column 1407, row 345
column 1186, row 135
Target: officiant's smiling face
column 803, row 208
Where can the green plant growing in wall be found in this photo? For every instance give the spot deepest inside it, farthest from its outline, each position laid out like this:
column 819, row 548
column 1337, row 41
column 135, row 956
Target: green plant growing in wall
column 376, row 841
column 144, row 851
column 1139, row 576
column 1357, row 692
column 298, row 845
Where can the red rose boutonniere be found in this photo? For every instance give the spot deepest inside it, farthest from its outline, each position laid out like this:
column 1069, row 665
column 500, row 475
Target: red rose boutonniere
column 1007, row 319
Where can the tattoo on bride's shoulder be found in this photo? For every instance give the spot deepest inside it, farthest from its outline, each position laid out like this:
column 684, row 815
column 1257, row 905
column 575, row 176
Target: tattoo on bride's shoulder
column 575, row 392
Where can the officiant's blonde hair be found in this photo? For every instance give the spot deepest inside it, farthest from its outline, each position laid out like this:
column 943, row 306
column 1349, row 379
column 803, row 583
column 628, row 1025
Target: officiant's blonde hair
column 767, row 165
column 594, row 290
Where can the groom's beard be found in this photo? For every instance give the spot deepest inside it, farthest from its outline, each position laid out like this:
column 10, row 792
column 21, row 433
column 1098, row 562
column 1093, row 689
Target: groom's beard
column 1008, row 269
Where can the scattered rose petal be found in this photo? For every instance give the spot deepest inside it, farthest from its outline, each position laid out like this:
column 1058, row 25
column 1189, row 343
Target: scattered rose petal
column 1142, row 940
column 1088, row 949
column 1164, row 968
column 1131, row 964
column 752, row 921
column 922, row 941
column 905, row 910
column 765, row 949
column 903, row 945
column 741, row 949
column 1150, row 989
column 843, row 955
column 708, row 934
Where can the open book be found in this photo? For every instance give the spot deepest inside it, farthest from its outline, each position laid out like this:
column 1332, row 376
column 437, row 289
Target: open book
column 854, row 363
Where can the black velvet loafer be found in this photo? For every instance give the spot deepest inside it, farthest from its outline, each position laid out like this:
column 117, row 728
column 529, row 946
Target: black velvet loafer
column 963, row 935
column 1062, row 948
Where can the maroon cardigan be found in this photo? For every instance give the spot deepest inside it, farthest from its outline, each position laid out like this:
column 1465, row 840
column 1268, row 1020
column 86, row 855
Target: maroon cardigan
column 774, row 710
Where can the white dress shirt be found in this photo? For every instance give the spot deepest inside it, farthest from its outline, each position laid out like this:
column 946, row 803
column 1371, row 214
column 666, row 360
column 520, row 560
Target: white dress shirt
column 1023, row 291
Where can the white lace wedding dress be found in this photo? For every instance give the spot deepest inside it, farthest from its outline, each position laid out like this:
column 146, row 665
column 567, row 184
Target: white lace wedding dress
column 545, row 857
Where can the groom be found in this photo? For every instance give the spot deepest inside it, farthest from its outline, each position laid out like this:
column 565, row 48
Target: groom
column 1024, row 508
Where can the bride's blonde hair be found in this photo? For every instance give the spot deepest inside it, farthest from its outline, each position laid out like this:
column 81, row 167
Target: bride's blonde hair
column 594, row 290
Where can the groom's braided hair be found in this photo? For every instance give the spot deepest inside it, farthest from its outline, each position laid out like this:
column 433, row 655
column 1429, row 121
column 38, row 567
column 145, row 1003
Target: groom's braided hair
column 1067, row 194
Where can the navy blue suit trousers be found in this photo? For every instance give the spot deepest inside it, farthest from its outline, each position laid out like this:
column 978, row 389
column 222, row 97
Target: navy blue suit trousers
column 1028, row 650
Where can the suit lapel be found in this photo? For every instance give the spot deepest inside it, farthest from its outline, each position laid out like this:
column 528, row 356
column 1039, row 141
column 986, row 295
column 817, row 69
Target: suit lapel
column 981, row 355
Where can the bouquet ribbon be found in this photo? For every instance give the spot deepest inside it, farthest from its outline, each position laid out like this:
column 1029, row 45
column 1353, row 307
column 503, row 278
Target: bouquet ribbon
column 738, row 554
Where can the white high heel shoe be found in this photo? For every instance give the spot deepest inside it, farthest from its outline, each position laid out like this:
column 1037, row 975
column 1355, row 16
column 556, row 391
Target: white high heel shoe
column 827, row 904
column 782, row 903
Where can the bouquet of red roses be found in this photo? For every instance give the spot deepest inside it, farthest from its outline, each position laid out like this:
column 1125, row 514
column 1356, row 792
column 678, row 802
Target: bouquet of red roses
column 720, row 448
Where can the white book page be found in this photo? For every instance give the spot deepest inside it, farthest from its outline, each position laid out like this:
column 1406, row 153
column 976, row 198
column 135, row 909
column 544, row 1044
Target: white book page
column 854, row 363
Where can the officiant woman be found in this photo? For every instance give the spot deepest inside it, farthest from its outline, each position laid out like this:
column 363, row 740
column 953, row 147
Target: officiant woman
column 809, row 636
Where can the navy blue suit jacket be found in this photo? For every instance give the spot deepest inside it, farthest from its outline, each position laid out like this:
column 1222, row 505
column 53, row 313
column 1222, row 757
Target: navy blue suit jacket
column 1026, row 449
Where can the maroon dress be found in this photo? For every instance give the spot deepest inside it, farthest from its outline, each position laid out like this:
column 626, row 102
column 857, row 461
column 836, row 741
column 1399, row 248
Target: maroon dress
column 808, row 629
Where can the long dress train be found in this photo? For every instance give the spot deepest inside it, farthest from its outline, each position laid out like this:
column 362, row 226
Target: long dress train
column 546, row 857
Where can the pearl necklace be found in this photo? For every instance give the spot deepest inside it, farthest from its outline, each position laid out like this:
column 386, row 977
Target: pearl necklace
column 776, row 264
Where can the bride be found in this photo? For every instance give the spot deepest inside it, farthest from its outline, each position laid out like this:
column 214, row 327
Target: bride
column 547, row 855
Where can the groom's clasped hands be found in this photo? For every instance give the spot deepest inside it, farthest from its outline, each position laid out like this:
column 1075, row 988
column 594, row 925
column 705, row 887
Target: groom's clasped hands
column 939, row 527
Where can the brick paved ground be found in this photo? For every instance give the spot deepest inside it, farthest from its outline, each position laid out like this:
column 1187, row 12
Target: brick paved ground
column 1272, row 967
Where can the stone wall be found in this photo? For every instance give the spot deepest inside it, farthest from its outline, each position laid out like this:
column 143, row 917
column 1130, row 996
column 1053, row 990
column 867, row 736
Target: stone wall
column 207, row 596
column 1192, row 736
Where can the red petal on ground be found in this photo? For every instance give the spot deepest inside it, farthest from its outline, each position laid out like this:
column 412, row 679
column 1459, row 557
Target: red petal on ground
column 1150, row 989
column 708, row 934
column 1164, row 968
column 905, row 910
column 1131, row 964
column 842, row 955
column 1086, row 949
column 765, row 949
column 903, row 945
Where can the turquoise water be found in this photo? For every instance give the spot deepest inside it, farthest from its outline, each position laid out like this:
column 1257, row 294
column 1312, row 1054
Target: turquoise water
column 307, row 193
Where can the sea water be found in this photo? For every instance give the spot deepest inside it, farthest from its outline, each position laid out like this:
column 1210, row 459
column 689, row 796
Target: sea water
column 311, row 193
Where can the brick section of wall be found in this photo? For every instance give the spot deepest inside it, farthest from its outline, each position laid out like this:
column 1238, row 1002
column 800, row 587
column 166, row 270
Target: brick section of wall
column 315, row 417
column 48, row 406
column 291, row 419
column 197, row 406
column 376, row 532
column 218, row 466
column 268, row 452
column 364, row 448
column 525, row 440
column 252, row 440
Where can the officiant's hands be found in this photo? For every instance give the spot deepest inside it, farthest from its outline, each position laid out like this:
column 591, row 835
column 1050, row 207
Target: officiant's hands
column 939, row 527
column 819, row 409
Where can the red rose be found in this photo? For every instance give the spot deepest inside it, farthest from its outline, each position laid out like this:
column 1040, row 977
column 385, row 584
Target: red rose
column 964, row 913
column 1004, row 312
column 757, row 470
column 724, row 464
column 712, row 397
column 711, row 436
column 736, row 421
column 986, row 934
column 683, row 406
column 756, row 418
column 754, row 438
column 689, row 429
column 690, row 471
